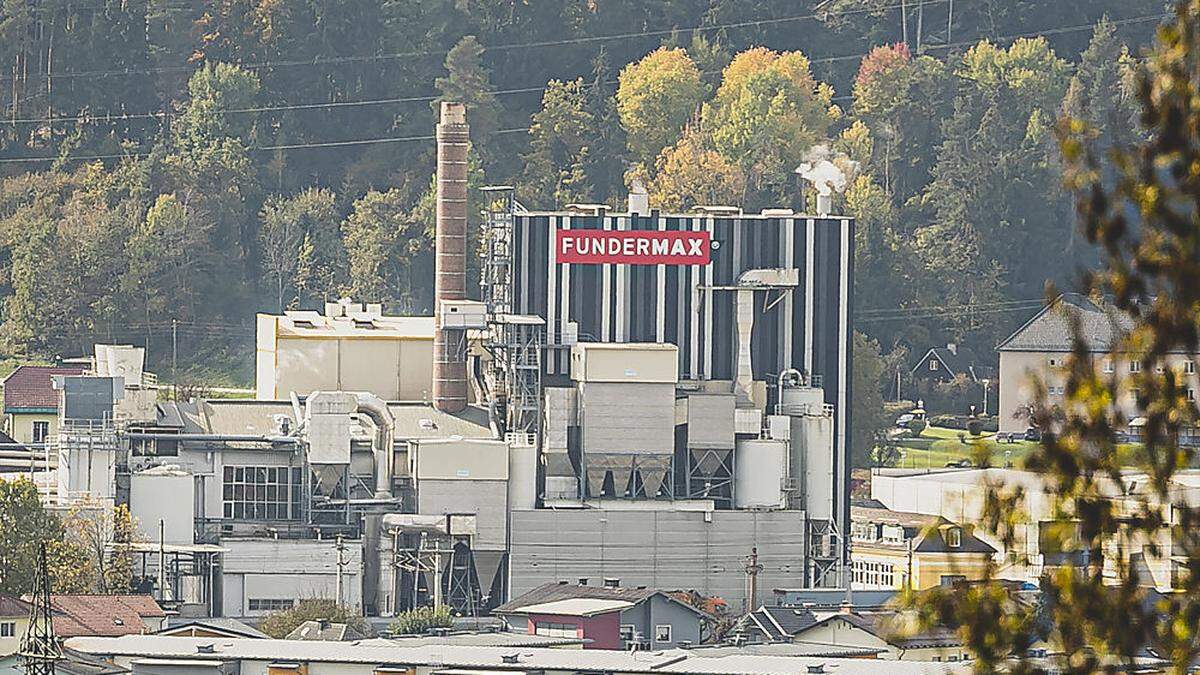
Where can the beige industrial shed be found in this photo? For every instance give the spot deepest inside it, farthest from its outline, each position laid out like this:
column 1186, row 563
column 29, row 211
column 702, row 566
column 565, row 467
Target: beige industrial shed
column 348, row 348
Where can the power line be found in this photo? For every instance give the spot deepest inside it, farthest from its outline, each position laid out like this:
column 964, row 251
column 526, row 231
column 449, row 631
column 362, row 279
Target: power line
column 120, row 117
column 495, row 48
column 257, row 148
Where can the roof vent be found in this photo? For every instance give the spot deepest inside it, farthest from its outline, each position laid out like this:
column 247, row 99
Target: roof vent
column 118, row 621
column 426, row 424
column 563, row 582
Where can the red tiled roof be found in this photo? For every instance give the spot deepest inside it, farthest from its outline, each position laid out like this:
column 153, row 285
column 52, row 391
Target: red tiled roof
column 11, row 606
column 103, row 615
column 31, row 386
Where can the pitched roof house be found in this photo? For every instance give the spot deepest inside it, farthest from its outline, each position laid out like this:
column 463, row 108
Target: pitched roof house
column 105, row 615
column 647, row 617
column 1042, row 344
column 31, row 401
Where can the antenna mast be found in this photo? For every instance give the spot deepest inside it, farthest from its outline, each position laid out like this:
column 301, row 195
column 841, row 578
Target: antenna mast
column 39, row 648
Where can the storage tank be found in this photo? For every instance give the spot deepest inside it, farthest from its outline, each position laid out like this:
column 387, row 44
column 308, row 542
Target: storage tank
column 522, row 477
column 812, row 452
column 759, row 469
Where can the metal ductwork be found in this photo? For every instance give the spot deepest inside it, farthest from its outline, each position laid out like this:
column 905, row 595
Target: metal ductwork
column 450, row 281
column 749, row 282
column 385, row 425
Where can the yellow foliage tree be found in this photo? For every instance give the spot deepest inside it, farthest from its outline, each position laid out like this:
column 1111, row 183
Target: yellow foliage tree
column 690, row 172
column 655, row 99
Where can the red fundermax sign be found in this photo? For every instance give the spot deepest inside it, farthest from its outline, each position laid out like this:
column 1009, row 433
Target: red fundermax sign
column 633, row 247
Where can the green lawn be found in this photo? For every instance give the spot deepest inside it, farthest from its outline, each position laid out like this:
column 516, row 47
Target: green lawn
column 938, row 446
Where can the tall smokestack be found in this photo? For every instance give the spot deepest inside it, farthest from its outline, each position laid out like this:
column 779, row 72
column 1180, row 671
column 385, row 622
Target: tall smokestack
column 450, row 283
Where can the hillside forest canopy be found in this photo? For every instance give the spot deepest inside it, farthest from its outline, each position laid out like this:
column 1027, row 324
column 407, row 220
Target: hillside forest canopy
column 169, row 167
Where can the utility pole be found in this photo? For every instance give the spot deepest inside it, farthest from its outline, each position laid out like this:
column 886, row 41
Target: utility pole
column 920, row 23
column 437, row 577
column 904, row 22
column 162, row 560
column 986, row 382
column 174, row 361
column 752, row 569
column 341, row 547
column 949, row 21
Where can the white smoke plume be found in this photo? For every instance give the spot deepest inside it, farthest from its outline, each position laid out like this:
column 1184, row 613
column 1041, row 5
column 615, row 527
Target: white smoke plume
column 828, row 171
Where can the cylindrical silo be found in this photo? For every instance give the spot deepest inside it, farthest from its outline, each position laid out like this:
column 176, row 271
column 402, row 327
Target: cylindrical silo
column 522, row 477
column 450, row 266
column 759, row 469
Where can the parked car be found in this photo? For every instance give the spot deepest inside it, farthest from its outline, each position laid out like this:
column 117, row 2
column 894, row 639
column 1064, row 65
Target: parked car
column 1033, row 434
column 965, row 462
column 1006, row 437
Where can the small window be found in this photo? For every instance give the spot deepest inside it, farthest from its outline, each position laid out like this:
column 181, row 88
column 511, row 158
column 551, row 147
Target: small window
column 1108, row 365
column 1135, row 366
column 662, row 632
column 1189, row 367
column 1191, row 394
column 627, row 630
column 954, row 537
column 8, row 629
column 933, row 364
column 41, row 431
column 1158, row 368
column 1052, row 362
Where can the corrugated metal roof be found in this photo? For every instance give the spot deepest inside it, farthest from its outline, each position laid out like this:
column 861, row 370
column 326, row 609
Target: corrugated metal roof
column 530, row 658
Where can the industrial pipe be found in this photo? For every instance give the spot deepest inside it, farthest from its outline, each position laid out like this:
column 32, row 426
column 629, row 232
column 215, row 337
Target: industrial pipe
column 374, row 407
column 227, row 438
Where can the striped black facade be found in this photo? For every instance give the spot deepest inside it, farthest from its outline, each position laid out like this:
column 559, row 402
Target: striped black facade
column 809, row 330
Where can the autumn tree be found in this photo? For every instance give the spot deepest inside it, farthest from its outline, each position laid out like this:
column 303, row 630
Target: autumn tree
column 691, row 172
column 1138, row 205
column 767, row 113
column 655, row 99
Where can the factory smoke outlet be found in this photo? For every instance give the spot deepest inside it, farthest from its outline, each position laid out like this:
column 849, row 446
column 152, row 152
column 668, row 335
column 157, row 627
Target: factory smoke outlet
column 650, row 399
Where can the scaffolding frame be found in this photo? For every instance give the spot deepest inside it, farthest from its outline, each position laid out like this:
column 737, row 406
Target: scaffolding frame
column 514, row 341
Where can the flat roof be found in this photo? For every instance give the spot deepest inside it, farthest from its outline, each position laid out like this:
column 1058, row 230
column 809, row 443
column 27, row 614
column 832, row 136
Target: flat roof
column 306, row 324
column 574, row 607
column 676, row 661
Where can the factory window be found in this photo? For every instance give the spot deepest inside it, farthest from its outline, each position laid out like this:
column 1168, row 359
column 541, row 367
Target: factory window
column 262, row 492
column 662, row 632
column 41, row 431
column 270, row 604
column 556, row 629
column 8, row 629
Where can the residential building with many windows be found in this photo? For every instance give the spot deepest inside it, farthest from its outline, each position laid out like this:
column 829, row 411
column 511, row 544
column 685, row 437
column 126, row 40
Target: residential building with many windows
column 1040, row 347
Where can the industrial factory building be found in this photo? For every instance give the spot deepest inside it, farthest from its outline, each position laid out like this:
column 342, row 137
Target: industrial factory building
column 657, row 398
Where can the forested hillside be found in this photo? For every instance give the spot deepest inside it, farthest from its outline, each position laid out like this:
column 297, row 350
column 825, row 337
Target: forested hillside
column 172, row 165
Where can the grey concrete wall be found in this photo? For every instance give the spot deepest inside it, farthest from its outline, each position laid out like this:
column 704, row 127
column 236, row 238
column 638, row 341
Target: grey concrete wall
column 668, row 550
